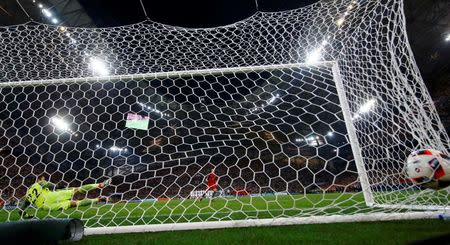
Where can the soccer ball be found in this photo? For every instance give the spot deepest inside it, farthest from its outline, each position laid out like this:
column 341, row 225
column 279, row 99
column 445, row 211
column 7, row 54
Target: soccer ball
column 428, row 168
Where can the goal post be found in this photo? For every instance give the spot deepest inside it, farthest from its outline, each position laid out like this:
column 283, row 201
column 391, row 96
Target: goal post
column 297, row 117
column 356, row 149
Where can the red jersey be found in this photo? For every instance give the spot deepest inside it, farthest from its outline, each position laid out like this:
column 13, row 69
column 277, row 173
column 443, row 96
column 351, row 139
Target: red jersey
column 212, row 181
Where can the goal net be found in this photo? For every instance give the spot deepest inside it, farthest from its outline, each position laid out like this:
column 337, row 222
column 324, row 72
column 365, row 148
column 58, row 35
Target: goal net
column 300, row 116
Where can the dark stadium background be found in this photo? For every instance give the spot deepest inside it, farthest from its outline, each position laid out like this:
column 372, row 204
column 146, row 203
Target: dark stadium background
column 427, row 27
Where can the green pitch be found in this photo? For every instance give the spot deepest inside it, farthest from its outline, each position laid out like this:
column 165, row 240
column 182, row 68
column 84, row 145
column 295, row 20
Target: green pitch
column 392, row 232
column 221, row 208
column 191, row 210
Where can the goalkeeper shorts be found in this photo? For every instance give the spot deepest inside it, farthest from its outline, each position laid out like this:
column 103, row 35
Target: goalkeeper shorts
column 58, row 200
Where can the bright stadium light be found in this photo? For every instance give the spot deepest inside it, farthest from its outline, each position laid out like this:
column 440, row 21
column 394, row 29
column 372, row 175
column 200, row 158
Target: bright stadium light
column 340, row 21
column 117, row 149
column 365, row 108
column 60, row 124
column 62, row 29
column 271, row 100
column 40, row 5
column 55, row 21
column 368, row 106
column 314, row 56
column 447, row 38
column 330, row 134
column 47, row 13
column 356, row 116
column 98, row 66
column 114, row 148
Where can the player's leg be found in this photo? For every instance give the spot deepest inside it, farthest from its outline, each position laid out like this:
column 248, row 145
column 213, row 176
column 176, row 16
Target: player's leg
column 88, row 187
column 53, row 199
column 61, row 205
column 216, row 193
column 86, row 202
column 204, row 194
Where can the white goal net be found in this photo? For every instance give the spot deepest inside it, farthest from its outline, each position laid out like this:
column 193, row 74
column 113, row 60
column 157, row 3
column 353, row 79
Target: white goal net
column 280, row 118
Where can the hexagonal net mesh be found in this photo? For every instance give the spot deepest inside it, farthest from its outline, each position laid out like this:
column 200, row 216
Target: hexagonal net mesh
column 240, row 122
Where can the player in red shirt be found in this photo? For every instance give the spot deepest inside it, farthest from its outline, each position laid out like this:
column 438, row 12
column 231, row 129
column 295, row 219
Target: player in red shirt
column 212, row 184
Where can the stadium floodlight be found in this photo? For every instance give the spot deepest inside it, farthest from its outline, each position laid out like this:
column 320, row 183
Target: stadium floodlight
column 117, row 149
column 55, row 21
column 447, row 38
column 40, row 5
column 60, row 124
column 330, row 134
column 114, row 148
column 149, row 108
column 271, row 100
column 98, row 66
column 340, row 21
column 47, row 13
column 314, row 56
column 365, row 108
column 62, row 29
column 368, row 106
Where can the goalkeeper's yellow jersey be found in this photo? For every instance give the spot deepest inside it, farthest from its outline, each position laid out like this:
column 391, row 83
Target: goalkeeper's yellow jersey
column 36, row 194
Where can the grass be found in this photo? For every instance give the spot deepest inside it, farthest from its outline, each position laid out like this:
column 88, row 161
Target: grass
column 190, row 210
column 233, row 208
column 224, row 208
column 392, row 232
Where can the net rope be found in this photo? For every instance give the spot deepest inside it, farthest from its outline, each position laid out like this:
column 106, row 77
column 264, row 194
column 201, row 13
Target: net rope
column 255, row 100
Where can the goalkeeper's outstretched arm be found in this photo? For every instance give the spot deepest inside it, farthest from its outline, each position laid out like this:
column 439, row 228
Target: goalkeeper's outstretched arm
column 22, row 207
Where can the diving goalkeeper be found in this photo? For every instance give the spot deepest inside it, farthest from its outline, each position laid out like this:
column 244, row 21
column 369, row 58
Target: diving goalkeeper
column 45, row 195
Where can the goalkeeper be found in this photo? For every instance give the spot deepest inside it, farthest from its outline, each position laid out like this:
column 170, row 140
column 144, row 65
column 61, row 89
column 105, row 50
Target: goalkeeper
column 46, row 196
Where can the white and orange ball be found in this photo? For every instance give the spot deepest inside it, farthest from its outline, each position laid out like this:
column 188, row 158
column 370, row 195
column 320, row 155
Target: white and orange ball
column 428, row 168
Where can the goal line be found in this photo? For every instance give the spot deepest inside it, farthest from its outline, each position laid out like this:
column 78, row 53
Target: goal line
column 261, row 222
